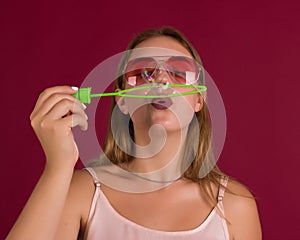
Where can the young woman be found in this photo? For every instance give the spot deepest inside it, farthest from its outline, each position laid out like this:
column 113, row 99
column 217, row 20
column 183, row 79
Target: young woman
column 78, row 205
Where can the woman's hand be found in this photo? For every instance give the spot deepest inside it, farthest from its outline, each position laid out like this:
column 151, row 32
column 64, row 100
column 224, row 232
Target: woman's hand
column 55, row 114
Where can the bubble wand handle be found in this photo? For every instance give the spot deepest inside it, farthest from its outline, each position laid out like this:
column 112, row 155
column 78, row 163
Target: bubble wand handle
column 85, row 95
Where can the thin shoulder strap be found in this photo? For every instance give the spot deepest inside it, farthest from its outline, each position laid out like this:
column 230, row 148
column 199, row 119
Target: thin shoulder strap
column 223, row 181
column 94, row 175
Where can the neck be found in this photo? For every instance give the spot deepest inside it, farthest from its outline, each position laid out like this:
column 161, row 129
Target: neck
column 158, row 149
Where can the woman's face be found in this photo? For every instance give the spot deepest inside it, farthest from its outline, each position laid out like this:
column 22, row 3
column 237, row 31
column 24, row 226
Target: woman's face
column 174, row 113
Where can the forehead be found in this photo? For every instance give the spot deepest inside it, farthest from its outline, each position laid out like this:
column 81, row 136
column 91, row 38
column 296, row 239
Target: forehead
column 159, row 46
column 154, row 52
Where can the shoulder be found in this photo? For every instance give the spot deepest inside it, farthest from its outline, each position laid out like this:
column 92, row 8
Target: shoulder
column 82, row 177
column 82, row 188
column 241, row 212
column 81, row 193
column 77, row 206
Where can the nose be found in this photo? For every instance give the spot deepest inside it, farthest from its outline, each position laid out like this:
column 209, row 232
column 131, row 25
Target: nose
column 162, row 76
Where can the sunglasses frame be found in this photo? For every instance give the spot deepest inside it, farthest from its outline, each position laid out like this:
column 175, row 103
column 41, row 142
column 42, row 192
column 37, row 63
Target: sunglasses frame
column 161, row 64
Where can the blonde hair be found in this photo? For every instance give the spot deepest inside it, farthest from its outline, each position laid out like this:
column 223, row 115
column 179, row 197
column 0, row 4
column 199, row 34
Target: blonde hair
column 119, row 157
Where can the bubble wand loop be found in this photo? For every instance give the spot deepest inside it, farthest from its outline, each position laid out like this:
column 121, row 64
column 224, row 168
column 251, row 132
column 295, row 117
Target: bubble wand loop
column 85, row 95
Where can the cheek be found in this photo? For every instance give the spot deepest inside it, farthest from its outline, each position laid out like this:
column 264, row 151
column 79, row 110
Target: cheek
column 194, row 102
column 135, row 105
column 139, row 115
column 183, row 110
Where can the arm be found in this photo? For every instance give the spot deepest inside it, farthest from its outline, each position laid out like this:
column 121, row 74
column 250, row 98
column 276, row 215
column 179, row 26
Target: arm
column 241, row 212
column 52, row 119
column 40, row 217
column 76, row 211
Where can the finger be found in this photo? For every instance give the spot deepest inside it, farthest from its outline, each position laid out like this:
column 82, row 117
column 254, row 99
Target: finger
column 53, row 100
column 64, row 108
column 57, row 89
column 50, row 91
column 79, row 108
column 76, row 120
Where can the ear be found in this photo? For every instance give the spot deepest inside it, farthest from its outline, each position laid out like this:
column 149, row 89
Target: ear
column 121, row 103
column 199, row 103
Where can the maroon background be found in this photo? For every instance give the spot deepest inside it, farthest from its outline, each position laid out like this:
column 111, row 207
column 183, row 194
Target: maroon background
column 251, row 49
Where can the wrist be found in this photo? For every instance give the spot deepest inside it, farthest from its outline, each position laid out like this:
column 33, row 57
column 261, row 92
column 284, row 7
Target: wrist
column 59, row 167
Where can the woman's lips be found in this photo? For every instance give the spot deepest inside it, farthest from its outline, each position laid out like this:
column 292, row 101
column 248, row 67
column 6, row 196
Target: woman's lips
column 161, row 103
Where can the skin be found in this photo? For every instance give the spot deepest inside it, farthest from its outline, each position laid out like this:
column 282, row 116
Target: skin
column 59, row 206
column 146, row 116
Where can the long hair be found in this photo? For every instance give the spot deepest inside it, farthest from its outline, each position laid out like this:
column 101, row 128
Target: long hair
column 203, row 151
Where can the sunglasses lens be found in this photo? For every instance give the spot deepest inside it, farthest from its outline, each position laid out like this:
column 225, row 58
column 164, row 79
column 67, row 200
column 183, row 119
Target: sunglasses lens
column 139, row 71
column 148, row 74
column 181, row 70
column 184, row 70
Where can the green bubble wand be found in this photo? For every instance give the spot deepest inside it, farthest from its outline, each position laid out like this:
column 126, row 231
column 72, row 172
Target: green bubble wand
column 85, row 95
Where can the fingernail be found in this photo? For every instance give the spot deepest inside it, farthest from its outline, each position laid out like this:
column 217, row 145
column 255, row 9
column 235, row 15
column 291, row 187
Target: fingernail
column 84, row 106
column 86, row 116
column 75, row 88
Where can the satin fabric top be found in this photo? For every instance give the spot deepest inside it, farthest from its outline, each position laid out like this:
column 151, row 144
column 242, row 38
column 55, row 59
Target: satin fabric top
column 105, row 223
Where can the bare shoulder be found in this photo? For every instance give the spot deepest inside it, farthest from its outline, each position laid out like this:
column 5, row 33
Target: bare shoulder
column 82, row 186
column 82, row 179
column 77, row 207
column 238, row 193
column 81, row 191
column 241, row 212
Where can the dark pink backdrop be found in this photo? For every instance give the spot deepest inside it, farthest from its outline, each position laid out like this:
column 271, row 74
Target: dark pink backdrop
column 250, row 48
